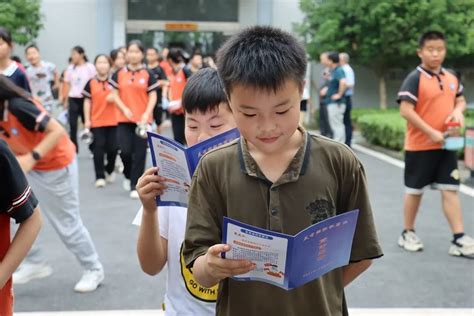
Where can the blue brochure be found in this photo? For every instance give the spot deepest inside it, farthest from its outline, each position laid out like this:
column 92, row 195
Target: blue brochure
column 178, row 163
column 291, row 261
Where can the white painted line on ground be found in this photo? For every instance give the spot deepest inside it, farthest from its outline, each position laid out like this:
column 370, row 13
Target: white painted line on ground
column 400, row 164
column 352, row 312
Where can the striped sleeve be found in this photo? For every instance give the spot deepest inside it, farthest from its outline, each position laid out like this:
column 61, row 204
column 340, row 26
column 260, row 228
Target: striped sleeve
column 114, row 79
column 17, row 198
column 29, row 114
column 87, row 90
column 152, row 82
column 409, row 89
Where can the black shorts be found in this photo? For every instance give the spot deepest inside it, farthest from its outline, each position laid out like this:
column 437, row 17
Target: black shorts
column 437, row 168
column 158, row 114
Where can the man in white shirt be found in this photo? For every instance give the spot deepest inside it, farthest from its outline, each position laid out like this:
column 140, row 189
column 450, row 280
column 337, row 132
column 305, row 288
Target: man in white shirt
column 350, row 82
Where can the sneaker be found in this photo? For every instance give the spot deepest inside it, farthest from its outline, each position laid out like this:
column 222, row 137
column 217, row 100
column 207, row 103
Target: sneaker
column 100, row 183
column 30, row 271
column 126, row 185
column 90, row 281
column 462, row 247
column 134, row 195
column 410, row 241
column 110, row 178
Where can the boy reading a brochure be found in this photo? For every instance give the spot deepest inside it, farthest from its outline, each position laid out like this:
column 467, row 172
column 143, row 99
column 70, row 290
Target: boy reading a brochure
column 162, row 228
column 276, row 176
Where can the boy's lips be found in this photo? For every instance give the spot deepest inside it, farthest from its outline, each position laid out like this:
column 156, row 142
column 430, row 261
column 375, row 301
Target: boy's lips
column 268, row 139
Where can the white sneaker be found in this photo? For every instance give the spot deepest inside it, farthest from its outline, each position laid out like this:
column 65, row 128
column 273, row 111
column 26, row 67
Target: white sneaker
column 30, row 271
column 100, row 183
column 410, row 241
column 134, row 195
column 463, row 247
column 90, row 281
column 126, row 185
column 110, row 178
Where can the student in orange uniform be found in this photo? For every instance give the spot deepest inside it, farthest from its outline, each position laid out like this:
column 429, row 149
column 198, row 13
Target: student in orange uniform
column 178, row 78
column 135, row 95
column 101, row 118
column 47, row 157
column 17, row 201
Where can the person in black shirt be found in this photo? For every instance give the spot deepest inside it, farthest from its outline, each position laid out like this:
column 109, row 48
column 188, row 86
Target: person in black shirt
column 17, row 201
column 152, row 58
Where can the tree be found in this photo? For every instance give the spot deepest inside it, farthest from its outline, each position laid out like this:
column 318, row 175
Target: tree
column 382, row 34
column 22, row 18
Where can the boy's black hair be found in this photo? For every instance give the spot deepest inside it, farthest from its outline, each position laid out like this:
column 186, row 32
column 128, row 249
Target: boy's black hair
column 31, row 46
column 429, row 36
column 6, row 36
column 334, row 57
column 263, row 57
column 203, row 91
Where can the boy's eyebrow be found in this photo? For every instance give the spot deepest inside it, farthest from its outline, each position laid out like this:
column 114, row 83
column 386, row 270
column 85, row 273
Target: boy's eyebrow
column 249, row 107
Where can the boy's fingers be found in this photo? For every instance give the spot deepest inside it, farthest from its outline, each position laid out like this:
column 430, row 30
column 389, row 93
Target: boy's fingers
column 151, row 171
column 216, row 250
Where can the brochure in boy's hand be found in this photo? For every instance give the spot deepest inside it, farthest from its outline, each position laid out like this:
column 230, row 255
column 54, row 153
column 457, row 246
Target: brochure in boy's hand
column 291, row 261
column 177, row 163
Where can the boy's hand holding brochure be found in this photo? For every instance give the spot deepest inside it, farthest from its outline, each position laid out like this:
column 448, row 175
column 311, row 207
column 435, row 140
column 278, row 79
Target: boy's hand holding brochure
column 149, row 186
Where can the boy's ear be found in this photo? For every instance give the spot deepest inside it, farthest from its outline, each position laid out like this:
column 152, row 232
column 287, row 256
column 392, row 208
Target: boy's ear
column 418, row 52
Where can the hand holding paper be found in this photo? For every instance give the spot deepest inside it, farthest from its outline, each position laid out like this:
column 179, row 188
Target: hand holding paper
column 210, row 268
column 149, row 186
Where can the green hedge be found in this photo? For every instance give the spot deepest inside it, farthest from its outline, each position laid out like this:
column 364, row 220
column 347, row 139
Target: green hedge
column 386, row 128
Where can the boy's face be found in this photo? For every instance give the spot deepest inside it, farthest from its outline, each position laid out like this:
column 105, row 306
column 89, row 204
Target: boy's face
column 201, row 126
column 432, row 53
column 266, row 119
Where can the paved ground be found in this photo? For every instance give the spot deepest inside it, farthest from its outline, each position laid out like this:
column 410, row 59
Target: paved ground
column 399, row 279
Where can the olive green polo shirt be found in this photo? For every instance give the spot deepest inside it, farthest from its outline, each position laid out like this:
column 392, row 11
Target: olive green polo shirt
column 323, row 179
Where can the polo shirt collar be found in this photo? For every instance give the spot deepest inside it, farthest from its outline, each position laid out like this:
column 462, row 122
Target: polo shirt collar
column 429, row 73
column 297, row 167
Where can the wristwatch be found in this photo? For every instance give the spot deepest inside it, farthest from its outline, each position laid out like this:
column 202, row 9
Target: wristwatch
column 36, row 155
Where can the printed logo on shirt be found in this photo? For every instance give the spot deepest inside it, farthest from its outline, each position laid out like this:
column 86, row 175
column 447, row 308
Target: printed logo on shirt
column 194, row 288
column 320, row 210
column 452, row 86
column 15, row 131
column 142, row 81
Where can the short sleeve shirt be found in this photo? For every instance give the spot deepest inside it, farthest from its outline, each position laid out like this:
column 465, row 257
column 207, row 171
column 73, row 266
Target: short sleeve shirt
column 324, row 179
column 350, row 79
column 333, row 85
column 434, row 98
column 134, row 87
column 159, row 74
column 24, row 128
column 15, row 74
column 77, row 76
column 183, row 295
column 103, row 113
column 17, row 201
column 40, row 78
